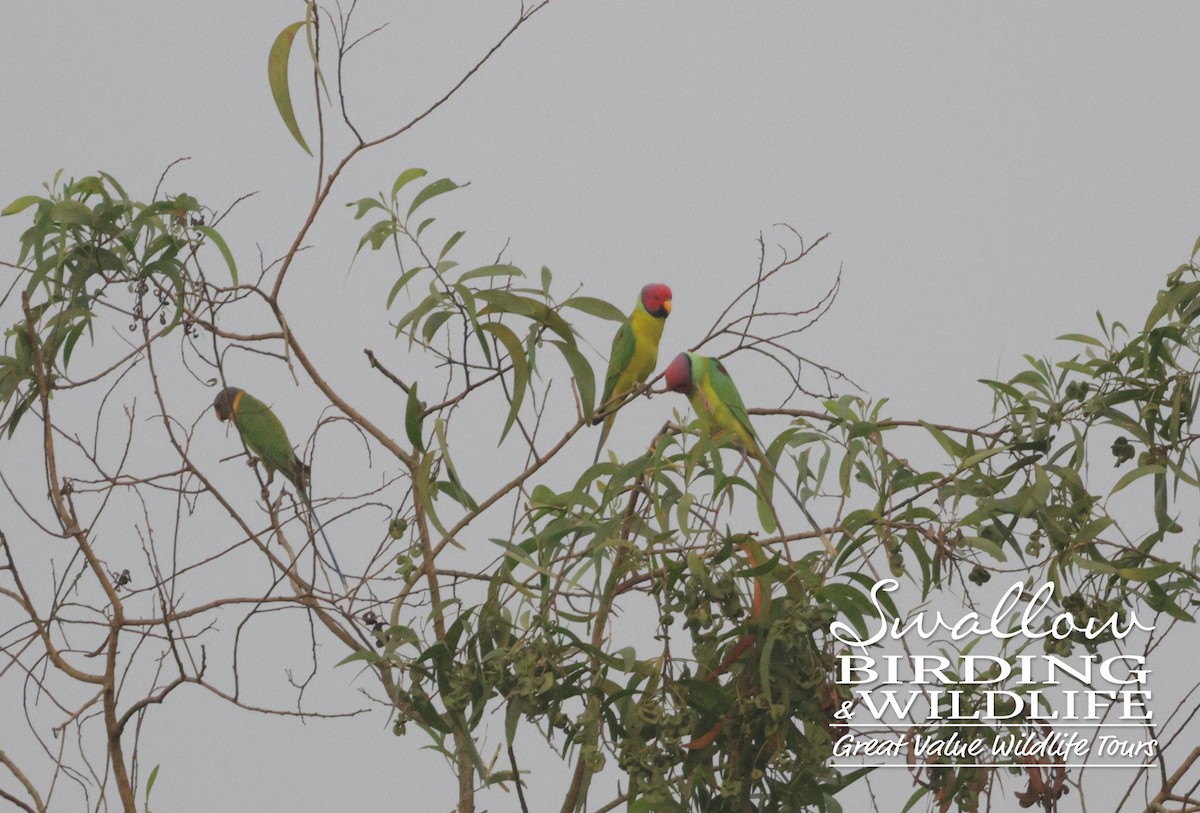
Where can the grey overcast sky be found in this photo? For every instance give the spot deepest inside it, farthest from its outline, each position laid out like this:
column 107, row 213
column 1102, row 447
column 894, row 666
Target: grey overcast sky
column 991, row 175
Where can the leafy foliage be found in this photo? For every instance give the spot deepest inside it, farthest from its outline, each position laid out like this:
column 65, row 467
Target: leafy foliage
column 725, row 701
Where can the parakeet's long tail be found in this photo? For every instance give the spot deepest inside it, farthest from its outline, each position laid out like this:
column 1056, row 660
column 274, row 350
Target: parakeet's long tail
column 763, row 461
column 321, row 530
column 608, row 422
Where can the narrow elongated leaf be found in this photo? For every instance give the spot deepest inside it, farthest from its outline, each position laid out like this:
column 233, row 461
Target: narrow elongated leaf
column 450, row 244
column 415, row 315
column 1093, row 565
column 404, row 177
column 461, row 494
column 432, row 324
column 585, row 378
column 1081, row 338
column 438, row 187
column 412, row 419
column 277, row 76
column 217, row 240
column 423, row 488
column 986, row 545
column 977, row 458
column 72, row 213
column 19, row 205
column 1146, row 574
column 516, row 352
column 364, row 205
column 468, row 303
column 503, row 270
column 951, row 448
column 595, row 307
column 400, row 283
column 1136, row 474
column 1169, row 300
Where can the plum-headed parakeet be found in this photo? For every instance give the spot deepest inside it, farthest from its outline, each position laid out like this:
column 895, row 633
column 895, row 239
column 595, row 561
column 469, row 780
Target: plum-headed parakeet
column 266, row 438
column 634, row 352
column 723, row 417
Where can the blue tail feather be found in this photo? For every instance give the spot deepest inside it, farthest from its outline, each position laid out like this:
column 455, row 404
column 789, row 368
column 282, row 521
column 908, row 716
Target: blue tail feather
column 321, row 530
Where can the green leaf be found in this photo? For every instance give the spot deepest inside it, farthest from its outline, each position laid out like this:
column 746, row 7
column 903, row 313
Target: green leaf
column 219, row 241
column 455, row 487
column 468, row 302
column 450, row 244
column 585, row 378
column 918, row 794
column 433, row 323
column 951, row 448
column 985, row 545
column 503, row 270
column 1136, row 474
column 1169, row 301
column 1146, row 574
column 423, row 488
column 438, row 187
column 412, row 419
column 72, row 213
column 400, row 283
column 1081, row 338
column 19, row 205
column 595, row 307
column 516, row 352
column 367, row 655
column 512, row 717
column 1091, row 564
column 277, row 76
column 977, row 458
column 149, row 787
column 765, row 479
column 72, row 338
column 364, row 205
column 415, row 315
column 404, row 177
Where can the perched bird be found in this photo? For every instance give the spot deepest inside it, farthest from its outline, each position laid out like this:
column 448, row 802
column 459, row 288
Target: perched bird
column 634, row 352
column 265, row 437
column 723, row 417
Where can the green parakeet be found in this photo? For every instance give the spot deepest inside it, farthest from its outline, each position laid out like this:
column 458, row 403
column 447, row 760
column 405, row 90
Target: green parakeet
column 634, row 352
column 266, row 438
column 723, row 417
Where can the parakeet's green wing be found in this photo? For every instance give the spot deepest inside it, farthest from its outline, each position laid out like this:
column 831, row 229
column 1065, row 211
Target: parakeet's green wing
column 265, row 436
column 728, row 394
column 623, row 346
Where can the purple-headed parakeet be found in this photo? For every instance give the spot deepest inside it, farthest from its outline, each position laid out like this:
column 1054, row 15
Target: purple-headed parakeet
column 634, row 352
column 266, row 438
column 723, row 418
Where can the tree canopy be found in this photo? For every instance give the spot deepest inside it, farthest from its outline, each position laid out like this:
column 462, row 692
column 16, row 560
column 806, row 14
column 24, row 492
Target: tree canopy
column 657, row 628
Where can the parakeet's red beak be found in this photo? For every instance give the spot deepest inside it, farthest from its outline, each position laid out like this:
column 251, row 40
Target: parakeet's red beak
column 679, row 374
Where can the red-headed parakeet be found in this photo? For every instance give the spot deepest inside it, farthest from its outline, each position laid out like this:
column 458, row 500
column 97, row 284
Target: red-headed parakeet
column 723, row 417
column 634, row 352
column 265, row 437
